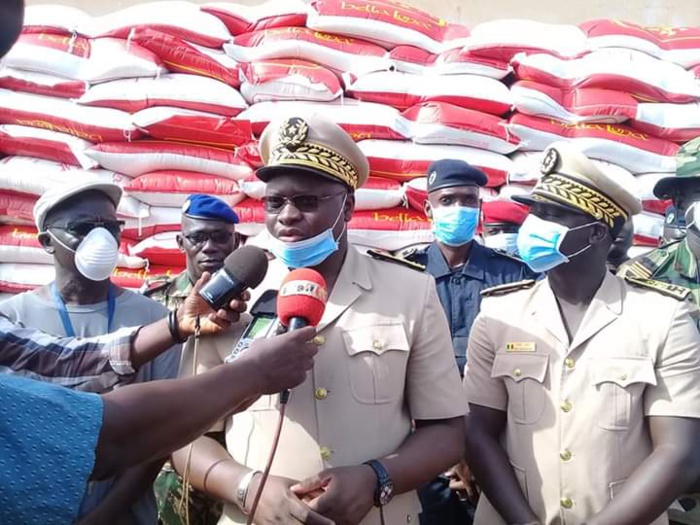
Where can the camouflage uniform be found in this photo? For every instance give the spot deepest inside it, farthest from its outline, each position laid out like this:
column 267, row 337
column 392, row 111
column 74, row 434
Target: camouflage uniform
column 202, row 509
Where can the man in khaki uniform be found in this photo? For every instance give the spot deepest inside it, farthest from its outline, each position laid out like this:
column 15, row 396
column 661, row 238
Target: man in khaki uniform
column 583, row 388
column 385, row 361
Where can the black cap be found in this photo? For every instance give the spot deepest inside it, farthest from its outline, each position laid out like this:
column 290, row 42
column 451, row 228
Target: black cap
column 447, row 173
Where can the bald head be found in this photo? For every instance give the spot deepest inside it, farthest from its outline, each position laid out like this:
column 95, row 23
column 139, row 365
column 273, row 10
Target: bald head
column 11, row 18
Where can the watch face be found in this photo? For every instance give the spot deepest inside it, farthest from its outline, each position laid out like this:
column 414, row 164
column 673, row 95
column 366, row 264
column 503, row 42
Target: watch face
column 386, row 492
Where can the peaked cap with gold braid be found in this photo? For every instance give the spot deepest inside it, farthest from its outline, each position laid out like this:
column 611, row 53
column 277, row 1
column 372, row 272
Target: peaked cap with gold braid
column 314, row 144
column 571, row 180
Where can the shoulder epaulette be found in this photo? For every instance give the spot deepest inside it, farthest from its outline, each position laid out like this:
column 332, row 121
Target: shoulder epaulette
column 155, row 284
column 507, row 288
column 671, row 290
column 381, row 255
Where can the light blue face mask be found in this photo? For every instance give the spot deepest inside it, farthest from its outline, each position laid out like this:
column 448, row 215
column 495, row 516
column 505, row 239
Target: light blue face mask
column 454, row 225
column 539, row 242
column 308, row 252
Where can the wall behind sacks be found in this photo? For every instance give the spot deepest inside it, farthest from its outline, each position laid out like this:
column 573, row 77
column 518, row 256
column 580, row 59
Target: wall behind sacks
column 645, row 12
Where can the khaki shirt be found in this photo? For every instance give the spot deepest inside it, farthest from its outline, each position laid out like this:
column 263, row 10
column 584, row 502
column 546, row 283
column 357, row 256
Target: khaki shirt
column 385, row 359
column 576, row 425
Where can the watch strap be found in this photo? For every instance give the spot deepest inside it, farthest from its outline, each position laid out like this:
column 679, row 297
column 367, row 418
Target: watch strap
column 382, row 479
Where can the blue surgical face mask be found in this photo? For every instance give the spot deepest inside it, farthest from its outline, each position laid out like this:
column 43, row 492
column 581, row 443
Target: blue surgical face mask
column 308, row 252
column 454, row 225
column 539, row 242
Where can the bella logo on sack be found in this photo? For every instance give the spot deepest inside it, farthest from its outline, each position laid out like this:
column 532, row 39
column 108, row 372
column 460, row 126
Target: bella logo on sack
column 608, row 128
column 19, row 234
column 399, row 217
column 326, row 37
column 62, row 129
column 401, row 14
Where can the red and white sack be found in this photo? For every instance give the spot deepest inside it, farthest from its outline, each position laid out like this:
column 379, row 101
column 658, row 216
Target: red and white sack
column 171, row 188
column 288, row 79
column 33, row 176
column 680, row 45
column 443, row 123
column 241, row 19
column 181, row 19
column 56, row 19
column 362, row 120
column 17, row 278
column 160, row 219
column 648, row 228
column 676, row 122
column 338, row 53
column 389, row 229
column 16, row 208
column 410, row 59
column 19, row 244
column 573, row 105
column 384, row 22
column 633, row 150
column 503, row 39
column 41, row 84
column 404, row 161
column 45, row 144
column 57, row 114
column 696, row 71
column 160, row 249
column 134, row 279
column 197, row 127
column 252, row 216
column 403, row 90
column 80, row 58
column 643, row 76
column 184, row 57
column 650, row 202
column 176, row 90
column 416, row 191
column 250, row 154
column 144, row 156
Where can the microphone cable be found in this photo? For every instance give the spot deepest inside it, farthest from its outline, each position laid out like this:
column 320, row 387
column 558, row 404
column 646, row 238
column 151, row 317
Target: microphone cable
column 268, row 466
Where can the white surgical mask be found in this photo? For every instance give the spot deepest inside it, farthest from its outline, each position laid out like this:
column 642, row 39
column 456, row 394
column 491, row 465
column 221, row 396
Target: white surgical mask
column 97, row 254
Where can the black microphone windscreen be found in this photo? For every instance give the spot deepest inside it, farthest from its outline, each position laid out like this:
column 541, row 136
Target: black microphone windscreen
column 247, row 264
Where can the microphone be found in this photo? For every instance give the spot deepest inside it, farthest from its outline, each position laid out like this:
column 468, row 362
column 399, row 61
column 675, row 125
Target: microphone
column 244, row 268
column 301, row 302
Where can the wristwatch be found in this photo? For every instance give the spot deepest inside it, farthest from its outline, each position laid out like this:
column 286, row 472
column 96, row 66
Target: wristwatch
column 384, row 490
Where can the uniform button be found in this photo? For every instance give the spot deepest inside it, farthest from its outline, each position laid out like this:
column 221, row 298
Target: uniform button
column 566, row 503
column 570, row 363
column 321, row 394
column 326, row 453
column 517, row 372
column 623, row 377
column 319, row 340
column 409, row 518
column 377, row 345
column 566, row 406
column 565, row 455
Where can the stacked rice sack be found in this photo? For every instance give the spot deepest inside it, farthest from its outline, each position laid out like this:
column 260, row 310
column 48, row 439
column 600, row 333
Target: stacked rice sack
column 169, row 98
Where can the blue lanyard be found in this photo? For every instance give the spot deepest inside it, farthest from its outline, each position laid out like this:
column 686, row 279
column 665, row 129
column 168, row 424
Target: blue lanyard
column 63, row 311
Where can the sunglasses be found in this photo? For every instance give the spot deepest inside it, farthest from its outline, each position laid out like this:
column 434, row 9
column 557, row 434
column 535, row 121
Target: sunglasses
column 83, row 228
column 303, row 203
column 216, row 237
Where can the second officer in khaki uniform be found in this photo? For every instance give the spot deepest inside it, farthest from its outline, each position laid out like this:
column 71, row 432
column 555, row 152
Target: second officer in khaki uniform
column 583, row 388
column 382, row 410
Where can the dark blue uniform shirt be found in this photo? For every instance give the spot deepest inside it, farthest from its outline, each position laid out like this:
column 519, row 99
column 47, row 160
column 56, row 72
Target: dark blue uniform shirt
column 460, row 289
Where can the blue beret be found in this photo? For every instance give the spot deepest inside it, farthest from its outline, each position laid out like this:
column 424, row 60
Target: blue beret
column 447, row 173
column 200, row 206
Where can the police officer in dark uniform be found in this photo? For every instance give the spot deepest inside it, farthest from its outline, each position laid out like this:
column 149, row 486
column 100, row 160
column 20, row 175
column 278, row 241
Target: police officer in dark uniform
column 462, row 269
column 461, row 266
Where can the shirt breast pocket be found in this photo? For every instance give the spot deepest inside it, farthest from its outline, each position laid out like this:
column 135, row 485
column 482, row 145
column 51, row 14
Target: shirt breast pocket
column 524, row 376
column 619, row 384
column 378, row 358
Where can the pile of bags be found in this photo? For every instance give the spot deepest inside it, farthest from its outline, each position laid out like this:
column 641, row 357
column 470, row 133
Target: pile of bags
column 168, row 99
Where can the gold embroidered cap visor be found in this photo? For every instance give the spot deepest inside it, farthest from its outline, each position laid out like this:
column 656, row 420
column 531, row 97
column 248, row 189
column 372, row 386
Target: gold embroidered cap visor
column 315, row 145
column 573, row 182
